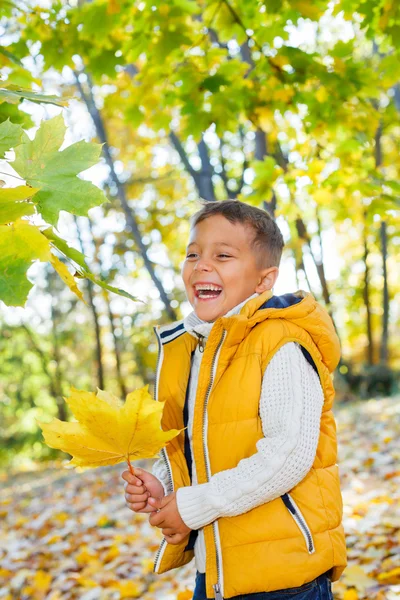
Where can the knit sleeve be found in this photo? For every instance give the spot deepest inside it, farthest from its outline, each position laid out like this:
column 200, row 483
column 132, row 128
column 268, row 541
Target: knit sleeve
column 159, row 470
column 290, row 409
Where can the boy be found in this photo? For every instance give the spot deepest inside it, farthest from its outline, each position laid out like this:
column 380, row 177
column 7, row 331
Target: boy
column 251, row 486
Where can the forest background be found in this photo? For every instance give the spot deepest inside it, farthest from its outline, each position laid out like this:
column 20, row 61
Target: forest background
column 291, row 106
column 116, row 118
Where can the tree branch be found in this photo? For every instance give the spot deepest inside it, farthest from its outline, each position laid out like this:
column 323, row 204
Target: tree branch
column 130, row 217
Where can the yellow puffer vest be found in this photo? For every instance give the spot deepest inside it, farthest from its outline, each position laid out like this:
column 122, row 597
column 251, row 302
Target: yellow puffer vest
column 296, row 537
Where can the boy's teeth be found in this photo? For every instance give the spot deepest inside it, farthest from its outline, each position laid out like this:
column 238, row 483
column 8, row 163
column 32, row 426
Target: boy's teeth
column 208, row 287
column 207, row 294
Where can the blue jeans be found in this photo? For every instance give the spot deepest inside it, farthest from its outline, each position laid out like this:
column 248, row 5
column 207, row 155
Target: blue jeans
column 317, row 589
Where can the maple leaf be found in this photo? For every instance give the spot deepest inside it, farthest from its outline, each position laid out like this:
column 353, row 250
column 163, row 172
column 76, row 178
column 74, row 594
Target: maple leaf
column 20, row 244
column 66, row 276
column 43, row 166
column 10, row 136
column 13, row 203
column 108, row 431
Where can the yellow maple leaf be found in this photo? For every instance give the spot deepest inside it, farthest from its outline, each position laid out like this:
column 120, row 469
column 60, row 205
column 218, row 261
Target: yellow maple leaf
column 351, row 594
column 184, row 595
column 66, row 276
column 108, row 431
column 129, row 589
column 392, row 577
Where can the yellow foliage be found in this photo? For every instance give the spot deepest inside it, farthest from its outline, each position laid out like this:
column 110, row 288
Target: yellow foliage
column 284, row 94
column 321, row 95
column 322, row 197
column 340, row 65
column 107, row 431
column 392, row 577
column 42, row 580
column 350, row 594
column 279, row 60
column 128, row 589
column 307, row 9
column 265, row 119
column 66, row 276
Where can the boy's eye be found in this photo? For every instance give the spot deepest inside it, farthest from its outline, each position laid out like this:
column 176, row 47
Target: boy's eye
column 219, row 255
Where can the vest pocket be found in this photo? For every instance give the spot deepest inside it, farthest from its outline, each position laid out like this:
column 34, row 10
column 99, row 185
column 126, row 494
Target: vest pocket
column 300, row 521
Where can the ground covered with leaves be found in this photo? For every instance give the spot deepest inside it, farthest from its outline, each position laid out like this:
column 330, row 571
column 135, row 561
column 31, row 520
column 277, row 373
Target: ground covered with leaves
column 69, row 535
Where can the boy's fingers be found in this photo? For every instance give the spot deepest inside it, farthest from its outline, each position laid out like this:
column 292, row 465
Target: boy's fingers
column 156, row 502
column 157, row 519
column 136, row 497
column 148, row 509
column 132, row 480
column 134, row 489
column 136, row 506
column 127, row 475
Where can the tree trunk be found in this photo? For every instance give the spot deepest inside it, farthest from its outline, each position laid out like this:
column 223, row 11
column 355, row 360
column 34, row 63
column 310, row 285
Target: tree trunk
column 95, row 316
column 117, row 353
column 366, row 294
column 111, row 318
column 384, row 349
column 202, row 179
column 54, row 384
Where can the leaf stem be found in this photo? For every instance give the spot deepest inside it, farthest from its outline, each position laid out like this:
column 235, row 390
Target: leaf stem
column 11, row 175
column 129, row 465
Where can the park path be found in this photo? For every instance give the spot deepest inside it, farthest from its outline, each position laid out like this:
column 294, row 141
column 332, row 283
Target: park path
column 68, row 535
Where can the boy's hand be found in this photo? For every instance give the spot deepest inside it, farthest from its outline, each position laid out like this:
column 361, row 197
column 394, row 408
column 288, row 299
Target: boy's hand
column 139, row 487
column 168, row 519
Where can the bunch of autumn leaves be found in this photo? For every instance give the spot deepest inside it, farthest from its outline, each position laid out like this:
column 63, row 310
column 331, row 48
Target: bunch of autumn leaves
column 108, row 431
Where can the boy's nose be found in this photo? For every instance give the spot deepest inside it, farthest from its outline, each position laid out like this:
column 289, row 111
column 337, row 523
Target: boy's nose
column 202, row 265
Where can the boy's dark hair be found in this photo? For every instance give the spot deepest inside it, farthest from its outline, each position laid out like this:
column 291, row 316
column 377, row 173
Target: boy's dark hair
column 267, row 243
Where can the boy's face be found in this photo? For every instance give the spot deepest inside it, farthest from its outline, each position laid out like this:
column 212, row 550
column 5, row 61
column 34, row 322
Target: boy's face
column 219, row 252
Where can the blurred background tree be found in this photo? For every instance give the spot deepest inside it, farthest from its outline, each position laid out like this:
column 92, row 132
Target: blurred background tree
column 291, row 106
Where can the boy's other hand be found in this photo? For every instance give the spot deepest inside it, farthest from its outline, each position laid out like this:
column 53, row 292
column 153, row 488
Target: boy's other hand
column 138, row 489
column 168, row 519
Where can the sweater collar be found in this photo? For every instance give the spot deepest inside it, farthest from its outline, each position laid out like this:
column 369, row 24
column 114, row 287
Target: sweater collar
column 193, row 324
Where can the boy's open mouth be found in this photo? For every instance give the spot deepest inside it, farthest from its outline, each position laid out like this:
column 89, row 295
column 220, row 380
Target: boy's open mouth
column 207, row 291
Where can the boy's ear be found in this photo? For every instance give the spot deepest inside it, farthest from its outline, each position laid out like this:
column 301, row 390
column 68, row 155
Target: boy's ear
column 267, row 279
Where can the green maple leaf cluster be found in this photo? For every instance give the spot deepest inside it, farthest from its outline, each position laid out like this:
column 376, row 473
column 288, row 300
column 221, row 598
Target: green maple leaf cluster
column 52, row 185
column 54, row 172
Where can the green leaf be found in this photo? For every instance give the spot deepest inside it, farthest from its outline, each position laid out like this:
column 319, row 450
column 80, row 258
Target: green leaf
column 393, row 185
column 55, row 173
column 32, row 155
column 11, row 57
column 11, row 207
column 213, row 83
column 10, row 136
column 110, row 288
column 20, row 244
column 79, row 258
column 14, row 94
column 63, row 247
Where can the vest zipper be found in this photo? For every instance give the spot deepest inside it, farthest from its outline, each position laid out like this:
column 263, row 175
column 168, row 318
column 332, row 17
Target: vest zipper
column 164, row 454
column 217, row 587
column 201, row 341
column 301, row 522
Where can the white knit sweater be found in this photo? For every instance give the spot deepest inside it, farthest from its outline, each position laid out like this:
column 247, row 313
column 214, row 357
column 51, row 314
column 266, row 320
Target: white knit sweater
column 290, row 410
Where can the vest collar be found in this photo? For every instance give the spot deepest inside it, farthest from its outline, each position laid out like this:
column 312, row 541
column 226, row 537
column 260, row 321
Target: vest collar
column 193, row 324
column 237, row 323
column 300, row 308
